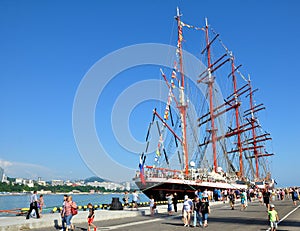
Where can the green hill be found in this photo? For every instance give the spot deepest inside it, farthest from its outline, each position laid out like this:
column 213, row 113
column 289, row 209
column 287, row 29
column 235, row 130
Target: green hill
column 94, row 178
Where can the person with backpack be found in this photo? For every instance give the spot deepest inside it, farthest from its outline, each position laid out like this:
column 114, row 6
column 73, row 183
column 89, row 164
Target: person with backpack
column 295, row 196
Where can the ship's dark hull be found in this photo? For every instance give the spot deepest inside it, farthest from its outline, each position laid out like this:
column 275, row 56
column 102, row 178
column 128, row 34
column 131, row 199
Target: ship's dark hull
column 159, row 189
column 159, row 192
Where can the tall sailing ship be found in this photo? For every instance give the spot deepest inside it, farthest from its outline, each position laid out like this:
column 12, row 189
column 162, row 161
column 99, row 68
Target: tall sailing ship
column 206, row 140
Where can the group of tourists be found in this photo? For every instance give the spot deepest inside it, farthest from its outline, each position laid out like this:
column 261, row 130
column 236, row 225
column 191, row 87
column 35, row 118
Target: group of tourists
column 134, row 201
column 36, row 206
column 200, row 209
column 264, row 195
column 195, row 212
column 197, row 208
column 69, row 209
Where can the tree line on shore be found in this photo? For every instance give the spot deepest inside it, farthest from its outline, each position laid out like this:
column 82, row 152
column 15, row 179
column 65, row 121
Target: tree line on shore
column 10, row 187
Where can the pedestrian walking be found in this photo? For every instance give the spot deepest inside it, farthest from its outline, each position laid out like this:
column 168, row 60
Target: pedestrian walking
column 249, row 195
column 187, row 210
column 169, row 197
column 273, row 217
column 152, row 206
column 135, row 198
column 69, row 206
column 63, row 218
column 232, row 198
column 175, row 201
column 197, row 212
column 295, row 196
column 273, row 195
column 205, row 194
column 205, row 210
column 225, row 195
column 33, row 205
column 282, row 194
column 196, row 193
column 260, row 197
column 215, row 195
column 243, row 200
column 41, row 204
column 126, row 199
column 200, row 194
column 266, row 197
column 91, row 216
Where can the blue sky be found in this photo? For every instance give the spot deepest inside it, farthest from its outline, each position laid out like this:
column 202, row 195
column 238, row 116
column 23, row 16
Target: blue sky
column 47, row 47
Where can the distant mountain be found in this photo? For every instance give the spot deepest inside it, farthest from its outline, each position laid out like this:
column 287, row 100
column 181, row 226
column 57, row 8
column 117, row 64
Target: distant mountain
column 94, row 178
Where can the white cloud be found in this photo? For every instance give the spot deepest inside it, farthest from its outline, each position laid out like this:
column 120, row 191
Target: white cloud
column 27, row 170
column 4, row 163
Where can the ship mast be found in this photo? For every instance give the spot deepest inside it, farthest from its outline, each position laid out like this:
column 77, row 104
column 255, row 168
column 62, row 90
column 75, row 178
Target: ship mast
column 253, row 131
column 256, row 140
column 182, row 103
column 211, row 103
column 237, row 121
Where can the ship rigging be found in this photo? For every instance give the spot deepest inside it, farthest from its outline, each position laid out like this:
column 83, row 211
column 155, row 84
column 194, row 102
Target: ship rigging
column 205, row 140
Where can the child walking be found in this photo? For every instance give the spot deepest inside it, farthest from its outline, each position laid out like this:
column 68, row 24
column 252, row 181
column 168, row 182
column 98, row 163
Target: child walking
column 273, row 217
column 91, row 216
column 41, row 204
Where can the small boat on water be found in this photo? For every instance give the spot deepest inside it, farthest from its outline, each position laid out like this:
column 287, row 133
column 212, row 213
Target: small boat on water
column 206, row 140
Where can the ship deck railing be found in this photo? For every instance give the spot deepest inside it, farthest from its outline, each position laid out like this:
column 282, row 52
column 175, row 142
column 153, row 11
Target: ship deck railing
column 198, row 178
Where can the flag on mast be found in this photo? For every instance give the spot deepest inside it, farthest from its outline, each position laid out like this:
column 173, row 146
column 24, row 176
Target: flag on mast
column 141, row 166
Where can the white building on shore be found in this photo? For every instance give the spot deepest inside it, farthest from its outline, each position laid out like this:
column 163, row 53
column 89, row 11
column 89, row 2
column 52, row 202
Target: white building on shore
column 57, row 182
column 27, row 182
column 1, row 174
column 106, row 185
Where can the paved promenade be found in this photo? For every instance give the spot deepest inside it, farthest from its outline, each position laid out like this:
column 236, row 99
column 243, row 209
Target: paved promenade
column 221, row 218
column 53, row 221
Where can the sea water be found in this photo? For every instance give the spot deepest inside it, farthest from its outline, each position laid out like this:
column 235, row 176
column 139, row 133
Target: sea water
column 8, row 202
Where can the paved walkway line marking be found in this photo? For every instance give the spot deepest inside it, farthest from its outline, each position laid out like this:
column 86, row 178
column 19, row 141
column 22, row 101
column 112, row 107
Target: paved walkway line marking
column 130, row 224
column 286, row 216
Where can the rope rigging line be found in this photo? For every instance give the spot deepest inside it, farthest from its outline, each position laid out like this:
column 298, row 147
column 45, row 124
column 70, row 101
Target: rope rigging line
column 169, row 139
column 229, row 53
column 195, row 138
